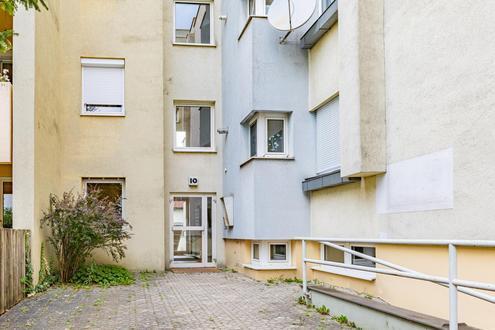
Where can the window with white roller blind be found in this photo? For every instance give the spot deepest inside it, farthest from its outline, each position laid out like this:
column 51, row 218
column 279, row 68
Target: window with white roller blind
column 327, row 137
column 102, row 87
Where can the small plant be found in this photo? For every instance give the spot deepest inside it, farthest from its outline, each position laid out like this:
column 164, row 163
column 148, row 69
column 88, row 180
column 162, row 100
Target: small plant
column 323, row 310
column 302, row 300
column 293, row 280
column 343, row 320
column 103, row 275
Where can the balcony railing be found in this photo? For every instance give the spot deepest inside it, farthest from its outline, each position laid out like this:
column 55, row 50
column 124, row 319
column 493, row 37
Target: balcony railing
column 5, row 123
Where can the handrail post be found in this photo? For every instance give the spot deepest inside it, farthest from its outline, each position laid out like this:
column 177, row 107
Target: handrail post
column 303, row 265
column 453, row 322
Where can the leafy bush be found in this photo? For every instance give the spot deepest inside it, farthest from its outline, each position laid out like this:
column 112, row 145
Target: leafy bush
column 7, row 218
column 103, row 275
column 80, row 224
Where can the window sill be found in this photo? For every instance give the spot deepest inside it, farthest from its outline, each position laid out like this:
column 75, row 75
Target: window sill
column 249, row 19
column 102, row 114
column 269, row 267
column 361, row 275
column 266, row 158
column 193, row 44
column 195, row 151
column 326, row 180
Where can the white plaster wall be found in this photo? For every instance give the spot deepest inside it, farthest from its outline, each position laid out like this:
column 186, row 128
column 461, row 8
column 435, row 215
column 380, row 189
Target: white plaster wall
column 438, row 84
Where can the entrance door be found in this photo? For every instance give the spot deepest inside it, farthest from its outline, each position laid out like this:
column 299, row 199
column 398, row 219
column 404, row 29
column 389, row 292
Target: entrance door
column 192, row 231
column 6, row 202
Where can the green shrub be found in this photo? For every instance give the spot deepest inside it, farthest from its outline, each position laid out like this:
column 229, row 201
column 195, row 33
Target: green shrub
column 103, row 275
column 79, row 224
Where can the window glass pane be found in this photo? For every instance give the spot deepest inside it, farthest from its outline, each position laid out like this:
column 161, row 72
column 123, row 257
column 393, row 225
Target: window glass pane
column 251, row 7
column 275, row 137
column 253, row 137
column 7, row 205
column 103, row 90
column 193, row 127
column 278, row 252
column 256, row 251
column 370, row 251
column 210, row 230
column 111, row 191
column 331, row 254
column 192, row 23
column 188, row 245
column 268, row 4
column 187, row 211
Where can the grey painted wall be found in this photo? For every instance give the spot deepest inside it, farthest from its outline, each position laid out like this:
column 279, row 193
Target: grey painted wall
column 259, row 73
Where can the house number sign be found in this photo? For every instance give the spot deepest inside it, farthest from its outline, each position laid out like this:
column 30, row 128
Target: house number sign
column 193, row 181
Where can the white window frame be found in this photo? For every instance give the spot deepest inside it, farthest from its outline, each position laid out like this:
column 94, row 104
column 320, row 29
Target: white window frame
column 259, row 251
column 359, row 274
column 102, row 63
column 212, row 128
column 286, row 142
column 257, row 11
column 251, row 124
column 204, row 244
column 212, row 23
column 85, row 182
column 287, row 254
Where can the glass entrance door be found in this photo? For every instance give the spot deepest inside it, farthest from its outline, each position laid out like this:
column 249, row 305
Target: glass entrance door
column 192, row 231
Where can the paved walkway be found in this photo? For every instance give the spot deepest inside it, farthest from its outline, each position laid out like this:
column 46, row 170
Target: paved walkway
column 170, row 301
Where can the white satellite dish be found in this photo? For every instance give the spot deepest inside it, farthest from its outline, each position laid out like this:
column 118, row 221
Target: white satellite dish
column 287, row 15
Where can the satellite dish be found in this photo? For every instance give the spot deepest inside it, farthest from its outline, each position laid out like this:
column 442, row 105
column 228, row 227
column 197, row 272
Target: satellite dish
column 287, row 15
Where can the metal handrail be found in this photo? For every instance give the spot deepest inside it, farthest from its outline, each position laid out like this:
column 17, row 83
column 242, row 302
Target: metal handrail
column 452, row 282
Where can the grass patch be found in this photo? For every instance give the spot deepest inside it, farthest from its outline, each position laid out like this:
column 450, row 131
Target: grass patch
column 102, row 275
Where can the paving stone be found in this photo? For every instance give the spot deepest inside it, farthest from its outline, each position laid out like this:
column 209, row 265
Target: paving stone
column 170, row 301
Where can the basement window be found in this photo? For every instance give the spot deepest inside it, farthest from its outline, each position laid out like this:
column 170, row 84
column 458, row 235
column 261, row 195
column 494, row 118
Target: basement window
column 102, row 87
column 110, row 189
column 270, row 255
column 330, row 254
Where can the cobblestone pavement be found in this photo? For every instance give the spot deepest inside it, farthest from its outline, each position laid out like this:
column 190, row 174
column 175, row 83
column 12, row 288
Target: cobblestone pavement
column 170, row 301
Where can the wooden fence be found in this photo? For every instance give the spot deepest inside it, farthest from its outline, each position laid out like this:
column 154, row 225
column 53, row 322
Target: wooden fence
column 12, row 267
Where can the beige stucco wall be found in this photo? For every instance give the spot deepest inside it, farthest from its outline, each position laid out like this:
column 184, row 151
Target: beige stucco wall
column 192, row 75
column 323, row 68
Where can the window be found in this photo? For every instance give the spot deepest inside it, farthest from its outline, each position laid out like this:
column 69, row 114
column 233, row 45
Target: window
column 193, row 23
column 193, row 127
column 258, row 7
column 253, row 139
column 267, row 134
column 6, row 202
column 187, row 212
column 111, row 189
column 256, row 251
column 102, row 87
column 275, row 136
column 370, row 251
column 330, row 254
column 278, row 252
column 327, row 137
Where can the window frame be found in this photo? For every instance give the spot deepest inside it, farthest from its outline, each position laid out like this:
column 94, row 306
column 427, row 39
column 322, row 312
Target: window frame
column 286, row 144
column 257, row 12
column 212, row 23
column 175, row 148
column 287, row 252
column 121, row 181
column 251, row 124
column 97, row 62
column 259, row 251
column 348, row 260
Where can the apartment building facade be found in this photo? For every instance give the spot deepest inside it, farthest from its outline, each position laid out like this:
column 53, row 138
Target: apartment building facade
column 127, row 104
column 228, row 140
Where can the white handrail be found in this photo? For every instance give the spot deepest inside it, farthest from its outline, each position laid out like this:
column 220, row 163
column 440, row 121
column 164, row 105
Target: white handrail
column 452, row 282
